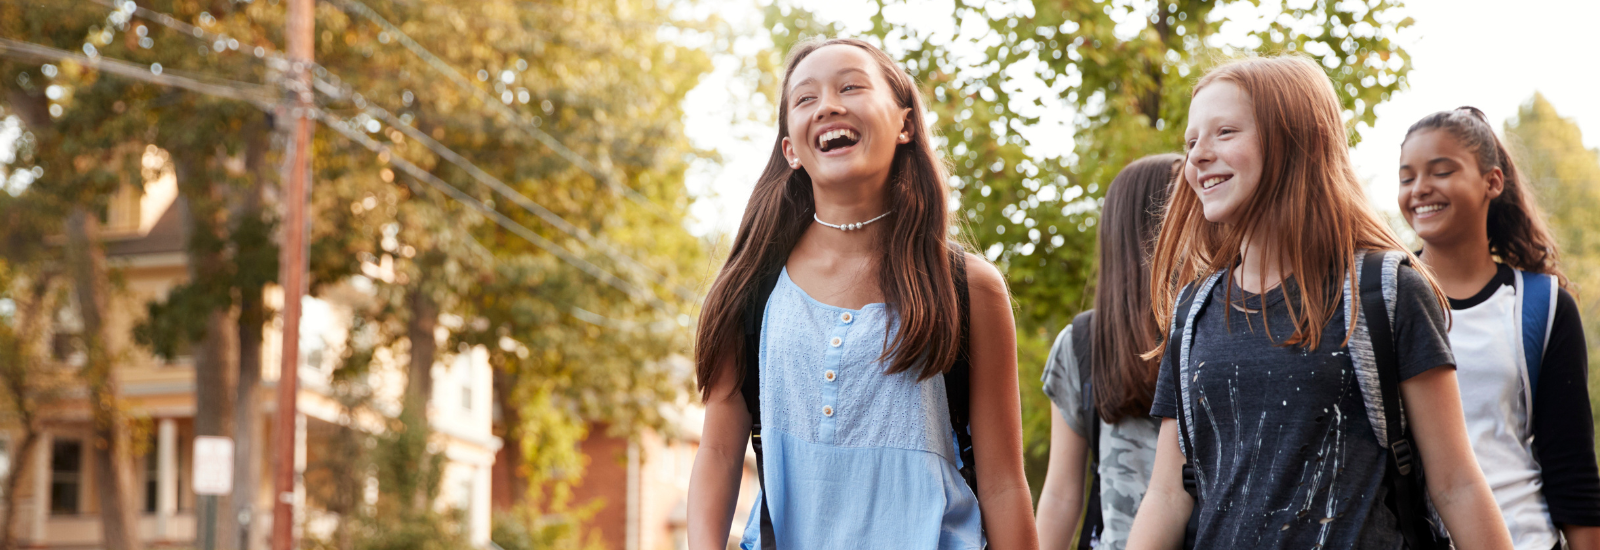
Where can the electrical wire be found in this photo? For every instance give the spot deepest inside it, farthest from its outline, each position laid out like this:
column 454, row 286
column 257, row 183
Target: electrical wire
column 512, row 194
column 527, row 125
column 252, row 94
column 255, row 94
column 342, row 127
column 342, row 91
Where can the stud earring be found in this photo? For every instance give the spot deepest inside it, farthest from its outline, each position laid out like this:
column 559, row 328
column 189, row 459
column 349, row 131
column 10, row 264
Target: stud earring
column 794, row 165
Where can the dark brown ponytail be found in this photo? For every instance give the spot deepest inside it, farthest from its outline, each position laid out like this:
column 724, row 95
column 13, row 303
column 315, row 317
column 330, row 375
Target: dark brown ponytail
column 1517, row 232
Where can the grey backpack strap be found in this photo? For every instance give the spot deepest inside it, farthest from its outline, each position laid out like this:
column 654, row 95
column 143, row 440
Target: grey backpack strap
column 1379, row 286
column 1186, row 311
column 1191, row 300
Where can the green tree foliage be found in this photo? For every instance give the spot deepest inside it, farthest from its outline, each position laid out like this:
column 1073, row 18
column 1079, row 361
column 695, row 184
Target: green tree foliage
column 1125, row 69
column 603, row 80
column 1566, row 178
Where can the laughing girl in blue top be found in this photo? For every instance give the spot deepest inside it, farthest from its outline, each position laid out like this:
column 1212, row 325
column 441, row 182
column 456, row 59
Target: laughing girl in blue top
column 848, row 230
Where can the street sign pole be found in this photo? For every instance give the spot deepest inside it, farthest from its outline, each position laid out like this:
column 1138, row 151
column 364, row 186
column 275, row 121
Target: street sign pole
column 208, row 537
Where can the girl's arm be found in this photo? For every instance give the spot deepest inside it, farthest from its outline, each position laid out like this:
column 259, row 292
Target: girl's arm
column 1061, row 501
column 1003, row 494
column 1581, row 537
column 1563, row 426
column 1164, row 513
column 719, row 464
column 1459, row 491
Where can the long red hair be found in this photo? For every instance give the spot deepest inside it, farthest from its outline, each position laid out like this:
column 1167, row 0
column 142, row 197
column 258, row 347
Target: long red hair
column 1309, row 202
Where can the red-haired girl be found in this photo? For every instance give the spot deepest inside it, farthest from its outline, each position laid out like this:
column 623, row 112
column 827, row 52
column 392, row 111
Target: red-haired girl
column 1521, row 358
column 882, row 357
column 1295, row 333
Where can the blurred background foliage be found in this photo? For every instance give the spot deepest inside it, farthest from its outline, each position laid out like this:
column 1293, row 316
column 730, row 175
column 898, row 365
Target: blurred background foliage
column 577, row 109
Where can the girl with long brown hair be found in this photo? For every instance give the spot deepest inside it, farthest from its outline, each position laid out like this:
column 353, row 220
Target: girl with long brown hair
column 1267, row 259
column 1100, row 405
column 873, row 348
column 1522, row 362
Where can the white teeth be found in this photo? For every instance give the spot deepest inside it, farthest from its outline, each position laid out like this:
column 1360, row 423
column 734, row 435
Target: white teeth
column 1212, row 182
column 1429, row 208
column 835, row 134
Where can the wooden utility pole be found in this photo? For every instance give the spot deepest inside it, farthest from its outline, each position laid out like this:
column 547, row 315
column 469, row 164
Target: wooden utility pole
column 296, row 112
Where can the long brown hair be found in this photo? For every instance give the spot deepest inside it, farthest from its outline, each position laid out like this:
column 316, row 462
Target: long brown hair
column 1517, row 232
column 1309, row 202
column 915, row 274
column 1125, row 383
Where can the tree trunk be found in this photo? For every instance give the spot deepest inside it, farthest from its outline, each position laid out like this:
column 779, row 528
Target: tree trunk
column 1150, row 104
column 511, row 435
column 20, row 384
column 252, row 317
column 110, row 448
column 213, row 377
column 247, row 414
column 419, row 377
column 21, row 463
column 419, row 330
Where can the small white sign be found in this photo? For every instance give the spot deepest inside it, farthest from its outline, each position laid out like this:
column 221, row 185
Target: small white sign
column 213, row 465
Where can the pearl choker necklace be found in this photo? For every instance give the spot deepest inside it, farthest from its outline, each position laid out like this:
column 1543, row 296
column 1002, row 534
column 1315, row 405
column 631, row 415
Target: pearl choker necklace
column 850, row 226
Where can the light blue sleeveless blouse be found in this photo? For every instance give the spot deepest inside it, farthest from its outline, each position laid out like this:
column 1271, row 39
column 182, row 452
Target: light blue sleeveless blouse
column 853, row 458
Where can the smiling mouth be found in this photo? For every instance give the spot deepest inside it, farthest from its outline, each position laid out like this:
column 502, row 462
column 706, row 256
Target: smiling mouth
column 833, row 140
column 1428, row 209
column 1214, row 181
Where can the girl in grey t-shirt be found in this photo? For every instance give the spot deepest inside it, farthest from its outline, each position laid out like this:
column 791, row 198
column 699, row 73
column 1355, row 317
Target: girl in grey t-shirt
column 1120, row 383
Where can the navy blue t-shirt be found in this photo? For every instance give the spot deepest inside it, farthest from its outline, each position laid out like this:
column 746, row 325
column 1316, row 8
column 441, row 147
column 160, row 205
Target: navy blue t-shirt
column 1285, row 454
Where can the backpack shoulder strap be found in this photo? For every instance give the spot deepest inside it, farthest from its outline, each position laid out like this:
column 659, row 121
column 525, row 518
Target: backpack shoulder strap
column 1185, row 311
column 958, row 380
column 1536, row 293
column 1082, row 353
column 1378, row 283
column 750, row 388
column 1375, row 312
column 1191, row 302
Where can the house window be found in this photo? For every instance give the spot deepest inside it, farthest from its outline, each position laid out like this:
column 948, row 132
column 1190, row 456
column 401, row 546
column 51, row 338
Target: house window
column 64, row 345
column 152, row 477
column 66, row 475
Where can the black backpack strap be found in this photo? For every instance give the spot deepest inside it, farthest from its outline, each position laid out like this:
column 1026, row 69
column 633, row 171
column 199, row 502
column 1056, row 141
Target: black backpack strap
column 750, row 388
column 1404, row 477
column 958, row 380
column 1082, row 351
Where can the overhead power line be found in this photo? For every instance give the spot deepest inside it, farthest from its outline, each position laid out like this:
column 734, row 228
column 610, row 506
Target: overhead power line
column 340, row 126
column 255, row 95
column 513, row 195
column 342, row 91
column 524, row 122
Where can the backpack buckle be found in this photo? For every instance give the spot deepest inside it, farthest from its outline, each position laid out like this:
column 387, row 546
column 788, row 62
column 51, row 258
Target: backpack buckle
column 1402, row 456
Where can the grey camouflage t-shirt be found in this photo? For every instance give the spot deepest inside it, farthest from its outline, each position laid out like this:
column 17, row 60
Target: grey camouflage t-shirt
column 1127, row 448
column 1286, row 456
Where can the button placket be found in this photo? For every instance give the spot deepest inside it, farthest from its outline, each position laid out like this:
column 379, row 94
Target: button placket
column 832, row 368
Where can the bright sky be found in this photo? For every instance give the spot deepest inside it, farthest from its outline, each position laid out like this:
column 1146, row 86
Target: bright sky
column 1483, row 53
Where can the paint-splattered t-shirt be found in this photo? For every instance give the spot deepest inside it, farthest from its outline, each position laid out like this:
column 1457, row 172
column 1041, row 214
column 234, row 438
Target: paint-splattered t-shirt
column 1284, row 451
